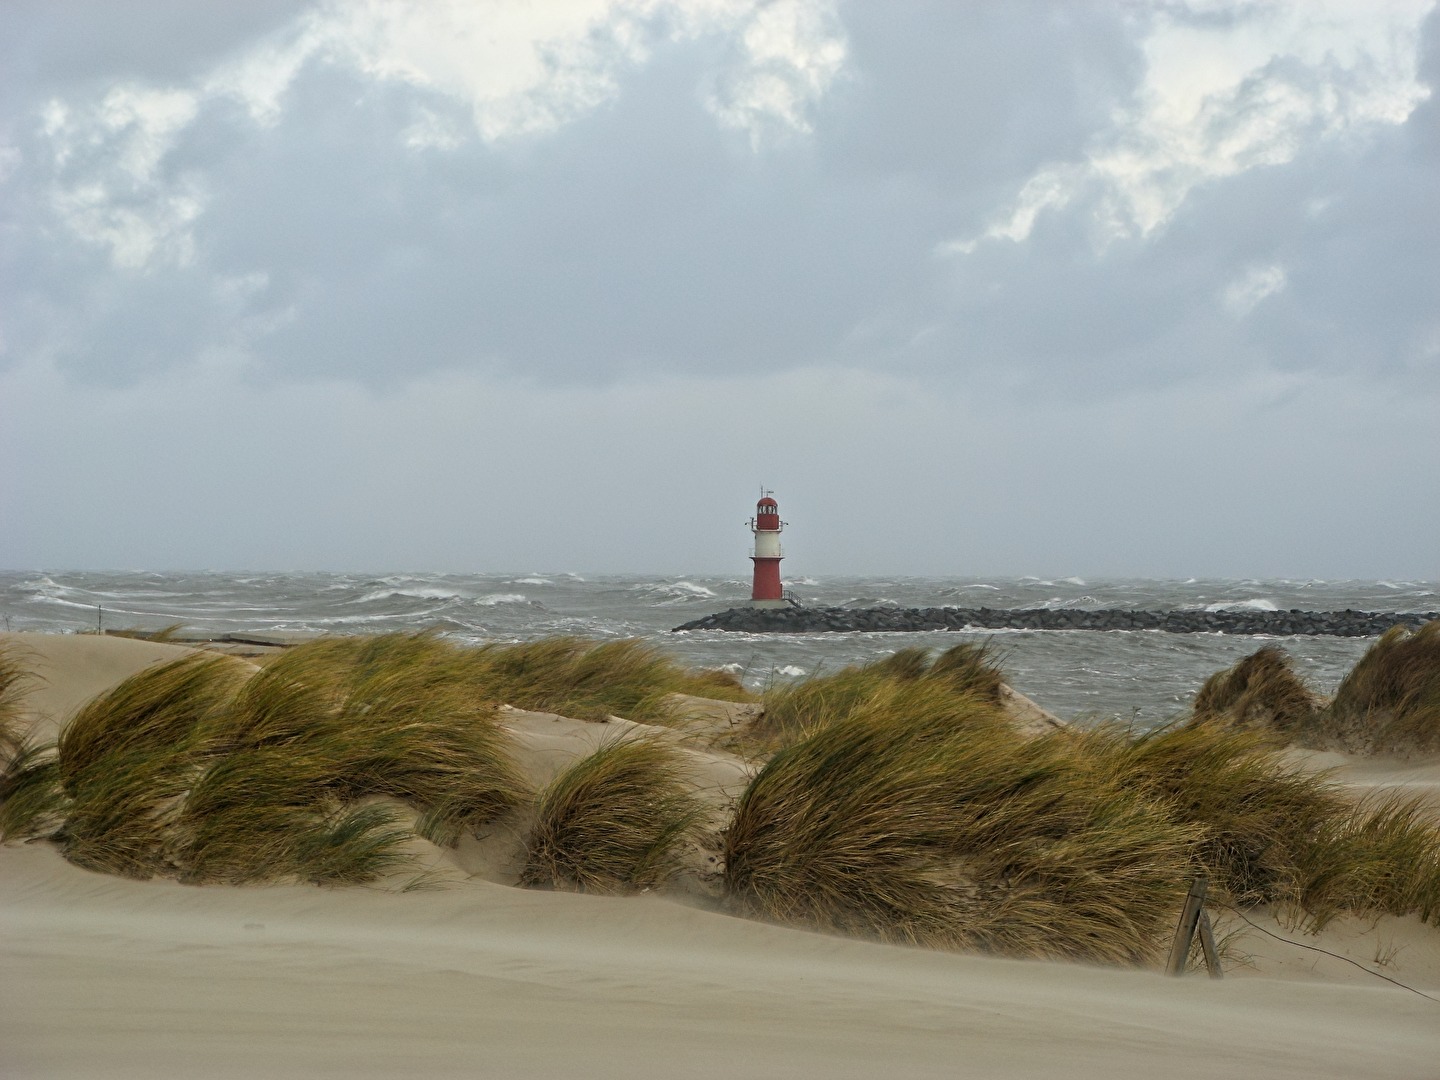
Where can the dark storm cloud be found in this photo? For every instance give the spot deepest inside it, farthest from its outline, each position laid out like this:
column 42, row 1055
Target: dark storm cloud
column 1352, row 224
column 640, row 236
column 50, row 46
column 370, row 298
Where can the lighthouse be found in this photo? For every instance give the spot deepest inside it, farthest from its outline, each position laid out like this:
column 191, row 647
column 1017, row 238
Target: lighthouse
column 767, row 592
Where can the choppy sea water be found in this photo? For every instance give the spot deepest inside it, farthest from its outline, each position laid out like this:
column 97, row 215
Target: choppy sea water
column 1143, row 676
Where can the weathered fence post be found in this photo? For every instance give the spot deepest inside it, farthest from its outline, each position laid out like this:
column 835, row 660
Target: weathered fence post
column 1192, row 918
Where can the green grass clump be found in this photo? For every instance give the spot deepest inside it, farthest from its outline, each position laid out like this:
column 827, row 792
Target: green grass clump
column 164, row 634
column 1274, row 834
column 331, row 723
column 1390, row 701
column 1260, row 691
column 914, row 814
column 1258, row 815
column 796, row 709
column 614, row 821
column 30, row 795
column 591, row 680
column 208, row 770
column 1380, row 857
column 32, row 803
column 402, row 720
column 128, row 757
column 919, row 816
column 14, row 677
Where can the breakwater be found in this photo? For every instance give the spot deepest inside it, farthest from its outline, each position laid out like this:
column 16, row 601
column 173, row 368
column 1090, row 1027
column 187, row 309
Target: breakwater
column 837, row 620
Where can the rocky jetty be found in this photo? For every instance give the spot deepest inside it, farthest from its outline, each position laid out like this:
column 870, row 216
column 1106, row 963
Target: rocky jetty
column 812, row 620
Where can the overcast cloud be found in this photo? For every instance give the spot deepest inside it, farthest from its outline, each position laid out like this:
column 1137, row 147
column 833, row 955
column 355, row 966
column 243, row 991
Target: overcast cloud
column 993, row 288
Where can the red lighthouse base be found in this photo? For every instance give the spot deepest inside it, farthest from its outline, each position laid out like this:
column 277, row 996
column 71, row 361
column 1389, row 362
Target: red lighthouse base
column 766, row 590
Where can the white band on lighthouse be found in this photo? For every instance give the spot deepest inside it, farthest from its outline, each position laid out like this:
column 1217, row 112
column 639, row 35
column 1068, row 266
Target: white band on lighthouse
column 767, row 544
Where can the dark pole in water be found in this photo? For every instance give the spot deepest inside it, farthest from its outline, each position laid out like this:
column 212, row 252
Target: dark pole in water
column 99, row 615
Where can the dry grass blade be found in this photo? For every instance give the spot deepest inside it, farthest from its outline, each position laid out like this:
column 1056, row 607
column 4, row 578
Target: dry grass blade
column 157, row 710
column 614, row 821
column 164, row 634
column 1258, row 814
column 800, row 708
column 1382, row 857
column 32, row 803
column 129, row 756
column 207, row 770
column 342, row 720
column 1260, row 691
column 1390, row 701
column 971, row 669
column 15, row 678
column 921, row 817
column 589, row 680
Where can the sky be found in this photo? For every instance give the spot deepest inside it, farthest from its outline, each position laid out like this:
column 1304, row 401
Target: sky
column 991, row 288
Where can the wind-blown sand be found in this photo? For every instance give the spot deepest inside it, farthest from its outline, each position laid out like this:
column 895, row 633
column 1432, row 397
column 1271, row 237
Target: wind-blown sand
column 106, row 977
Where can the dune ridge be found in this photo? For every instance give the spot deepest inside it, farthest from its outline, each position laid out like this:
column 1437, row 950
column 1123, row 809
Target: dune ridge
column 289, row 980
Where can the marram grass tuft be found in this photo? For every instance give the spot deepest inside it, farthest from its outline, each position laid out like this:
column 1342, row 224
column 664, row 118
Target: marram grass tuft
column 614, row 821
column 1261, row 691
column 919, row 816
column 1390, row 701
column 799, row 708
column 591, row 680
column 208, row 770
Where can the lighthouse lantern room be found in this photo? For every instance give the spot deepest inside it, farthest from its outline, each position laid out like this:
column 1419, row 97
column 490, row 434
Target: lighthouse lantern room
column 766, row 591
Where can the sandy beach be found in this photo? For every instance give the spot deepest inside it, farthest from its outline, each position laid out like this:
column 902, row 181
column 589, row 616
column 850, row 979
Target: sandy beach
column 105, row 976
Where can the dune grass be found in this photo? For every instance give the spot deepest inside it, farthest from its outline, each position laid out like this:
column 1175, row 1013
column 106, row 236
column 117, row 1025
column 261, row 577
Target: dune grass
column 921, row 817
column 14, row 680
column 591, row 680
column 615, row 821
column 1260, row 691
column 796, row 709
column 909, row 812
column 164, row 634
column 208, row 770
column 1390, row 701
column 1380, row 857
column 30, row 795
column 128, row 757
column 32, row 803
column 1258, row 816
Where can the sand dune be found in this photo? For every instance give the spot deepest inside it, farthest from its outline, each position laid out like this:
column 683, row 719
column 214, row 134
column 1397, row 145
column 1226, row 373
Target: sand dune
column 101, row 976
column 107, row 977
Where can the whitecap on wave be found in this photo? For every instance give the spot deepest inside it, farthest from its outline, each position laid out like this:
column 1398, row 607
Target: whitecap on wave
column 790, row 671
column 501, row 598
column 532, row 581
column 413, row 593
column 1243, row 605
column 669, row 592
column 1056, row 602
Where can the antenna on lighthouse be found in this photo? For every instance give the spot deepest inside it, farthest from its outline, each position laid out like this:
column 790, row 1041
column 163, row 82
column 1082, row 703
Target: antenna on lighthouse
column 766, row 590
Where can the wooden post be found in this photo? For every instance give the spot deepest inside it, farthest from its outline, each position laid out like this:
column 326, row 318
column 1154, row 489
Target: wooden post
column 1185, row 932
column 1207, row 943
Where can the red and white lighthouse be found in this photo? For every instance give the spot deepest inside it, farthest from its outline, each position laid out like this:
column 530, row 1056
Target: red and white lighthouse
column 766, row 525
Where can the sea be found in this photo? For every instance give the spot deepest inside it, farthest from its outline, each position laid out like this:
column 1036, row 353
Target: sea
column 1142, row 677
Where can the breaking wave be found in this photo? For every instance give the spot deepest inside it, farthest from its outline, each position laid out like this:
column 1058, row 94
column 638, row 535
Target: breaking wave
column 1243, row 605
